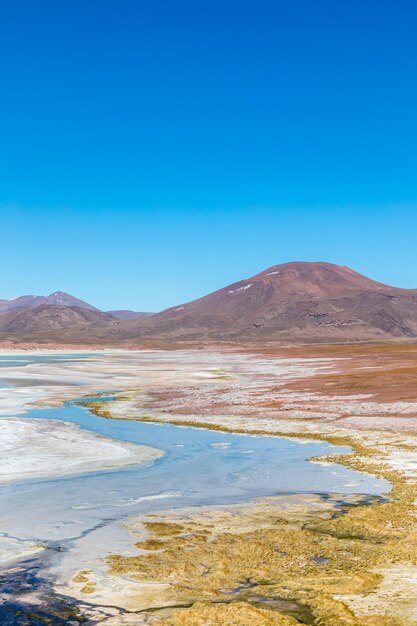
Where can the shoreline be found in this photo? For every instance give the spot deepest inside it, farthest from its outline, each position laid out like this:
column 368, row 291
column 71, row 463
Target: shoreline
column 41, row 449
column 361, row 525
column 289, row 397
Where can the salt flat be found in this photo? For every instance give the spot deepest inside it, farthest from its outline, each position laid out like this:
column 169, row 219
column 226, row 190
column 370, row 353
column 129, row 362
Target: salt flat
column 362, row 397
column 37, row 448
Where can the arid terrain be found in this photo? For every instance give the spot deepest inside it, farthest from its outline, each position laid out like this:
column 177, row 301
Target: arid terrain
column 365, row 572
column 208, row 313
column 339, row 556
column 286, row 559
column 293, row 303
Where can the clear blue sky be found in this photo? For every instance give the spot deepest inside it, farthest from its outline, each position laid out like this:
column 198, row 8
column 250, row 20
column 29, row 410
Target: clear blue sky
column 153, row 151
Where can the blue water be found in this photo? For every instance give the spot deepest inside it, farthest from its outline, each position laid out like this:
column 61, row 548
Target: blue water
column 199, row 467
column 21, row 360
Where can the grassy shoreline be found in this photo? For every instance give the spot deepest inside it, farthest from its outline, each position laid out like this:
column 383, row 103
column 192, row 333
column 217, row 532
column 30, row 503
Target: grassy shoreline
column 377, row 538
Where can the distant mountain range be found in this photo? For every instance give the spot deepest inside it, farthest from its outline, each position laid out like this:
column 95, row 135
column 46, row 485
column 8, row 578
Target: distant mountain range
column 58, row 297
column 57, row 317
column 294, row 302
column 51, row 318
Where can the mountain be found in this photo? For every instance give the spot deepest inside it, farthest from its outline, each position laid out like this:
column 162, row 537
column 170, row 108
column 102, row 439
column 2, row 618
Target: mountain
column 22, row 302
column 302, row 302
column 47, row 319
column 290, row 303
column 65, row 299
column 58, row 298
column 125, row 314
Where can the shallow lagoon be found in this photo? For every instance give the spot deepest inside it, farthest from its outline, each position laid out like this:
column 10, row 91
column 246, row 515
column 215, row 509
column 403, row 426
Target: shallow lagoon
column 200, row 467
column 27, row 359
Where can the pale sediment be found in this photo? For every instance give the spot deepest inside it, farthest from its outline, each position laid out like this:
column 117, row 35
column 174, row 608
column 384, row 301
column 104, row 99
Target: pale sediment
column 366, row 571
column 246, row 565
column 38, row 448
column 12, row 549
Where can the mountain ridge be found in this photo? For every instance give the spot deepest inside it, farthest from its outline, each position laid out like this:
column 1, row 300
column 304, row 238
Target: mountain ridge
column 51, row 317
column 57, row 297
column 292, row 301
column 300, row 302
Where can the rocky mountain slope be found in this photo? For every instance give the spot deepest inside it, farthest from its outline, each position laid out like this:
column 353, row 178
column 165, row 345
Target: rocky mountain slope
column 127, row 314
column 291, row 302
column 50, row 320
column 58, row 297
